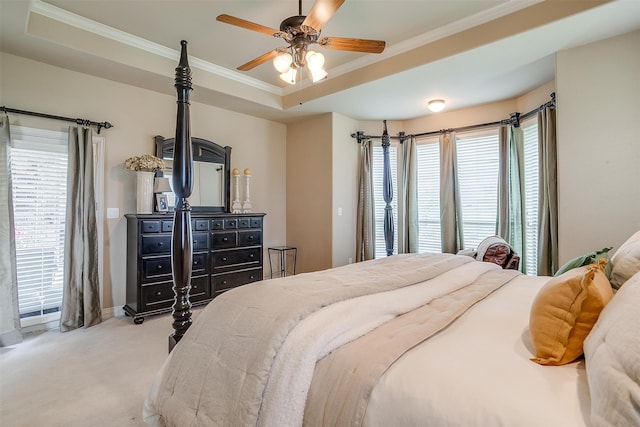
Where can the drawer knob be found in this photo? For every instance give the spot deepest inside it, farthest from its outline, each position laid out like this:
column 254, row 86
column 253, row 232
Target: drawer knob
column 159, row 267
column 250, row 277
column 224, row 282
column 195, row 242
column 159, row 293
column 195, row 262
column 251, row 256
column 224, row 258
column 225, row 239
column 160, row 244
column 250, row 237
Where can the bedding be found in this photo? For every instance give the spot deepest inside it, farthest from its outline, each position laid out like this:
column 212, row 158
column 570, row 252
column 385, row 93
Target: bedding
column 250, row 356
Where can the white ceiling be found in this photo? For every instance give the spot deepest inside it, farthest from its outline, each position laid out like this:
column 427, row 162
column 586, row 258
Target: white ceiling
column 467, row 52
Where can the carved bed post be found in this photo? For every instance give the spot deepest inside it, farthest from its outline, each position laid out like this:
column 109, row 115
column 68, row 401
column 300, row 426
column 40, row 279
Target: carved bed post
column 387, row 192
column 182, row 176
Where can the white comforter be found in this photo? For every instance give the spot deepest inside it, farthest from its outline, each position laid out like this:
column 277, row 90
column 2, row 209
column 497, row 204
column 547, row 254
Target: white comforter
column 420, row 388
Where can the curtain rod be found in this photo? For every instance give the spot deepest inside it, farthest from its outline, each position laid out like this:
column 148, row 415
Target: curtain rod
column 514, row 119
column 82, row 122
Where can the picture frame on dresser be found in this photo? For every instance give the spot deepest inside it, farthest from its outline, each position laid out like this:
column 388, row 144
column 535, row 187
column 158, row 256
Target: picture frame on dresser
column 162, row 205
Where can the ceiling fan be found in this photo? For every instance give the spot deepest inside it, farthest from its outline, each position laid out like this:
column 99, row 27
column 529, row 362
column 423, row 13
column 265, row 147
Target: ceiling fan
column 300, row 32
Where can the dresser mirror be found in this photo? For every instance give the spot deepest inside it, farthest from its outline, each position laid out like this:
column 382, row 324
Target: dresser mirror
column 211, row 173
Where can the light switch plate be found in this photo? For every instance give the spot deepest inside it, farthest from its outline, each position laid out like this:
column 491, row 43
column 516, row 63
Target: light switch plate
column 113, row 213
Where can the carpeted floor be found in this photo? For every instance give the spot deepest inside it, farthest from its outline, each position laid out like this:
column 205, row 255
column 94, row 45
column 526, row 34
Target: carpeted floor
column 89, row 377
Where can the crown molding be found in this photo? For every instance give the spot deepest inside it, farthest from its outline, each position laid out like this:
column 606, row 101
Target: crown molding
column 111, row 33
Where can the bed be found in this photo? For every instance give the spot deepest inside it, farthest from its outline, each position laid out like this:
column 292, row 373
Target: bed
column 250, row 357
column 407, row 340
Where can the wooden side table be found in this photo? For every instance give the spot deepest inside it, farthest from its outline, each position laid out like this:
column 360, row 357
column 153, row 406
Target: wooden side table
column 281, row 253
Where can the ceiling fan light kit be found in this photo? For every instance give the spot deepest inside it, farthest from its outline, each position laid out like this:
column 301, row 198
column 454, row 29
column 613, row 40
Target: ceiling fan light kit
column 301, row 31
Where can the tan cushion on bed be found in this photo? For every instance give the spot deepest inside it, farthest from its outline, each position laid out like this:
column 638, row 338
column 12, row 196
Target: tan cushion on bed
column 565, row 310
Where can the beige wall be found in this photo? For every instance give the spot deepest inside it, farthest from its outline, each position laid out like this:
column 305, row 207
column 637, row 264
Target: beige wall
column 309, row 191
column 137, row 115
column 598, row 145
column 345, row 189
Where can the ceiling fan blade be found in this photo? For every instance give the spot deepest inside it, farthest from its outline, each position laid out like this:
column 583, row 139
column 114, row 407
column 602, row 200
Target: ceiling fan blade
column 321, row 12
column 228, row 19
column 352, row 45
column 259, row 60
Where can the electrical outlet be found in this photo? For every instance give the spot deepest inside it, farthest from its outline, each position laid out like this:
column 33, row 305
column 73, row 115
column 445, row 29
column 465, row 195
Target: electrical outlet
column 339, row 211
column 350, row 260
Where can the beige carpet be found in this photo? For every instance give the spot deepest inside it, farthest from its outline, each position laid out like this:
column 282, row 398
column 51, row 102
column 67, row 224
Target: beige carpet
column 89, row 377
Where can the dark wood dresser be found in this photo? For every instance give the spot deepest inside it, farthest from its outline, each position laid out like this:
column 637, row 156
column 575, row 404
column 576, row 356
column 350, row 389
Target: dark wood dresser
column 227, row 252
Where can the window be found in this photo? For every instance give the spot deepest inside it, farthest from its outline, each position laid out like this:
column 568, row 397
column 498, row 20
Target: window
column 39, row 184
column 478, row 168
column 478, row 155
column 530, row 132
column 378, row 168
column 428, row 182
column 39, row 177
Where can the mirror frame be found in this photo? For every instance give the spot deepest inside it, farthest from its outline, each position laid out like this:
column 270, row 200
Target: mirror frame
column 203, row 151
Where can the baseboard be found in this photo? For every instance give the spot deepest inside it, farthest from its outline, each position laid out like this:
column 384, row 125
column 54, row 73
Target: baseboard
column 109, row 312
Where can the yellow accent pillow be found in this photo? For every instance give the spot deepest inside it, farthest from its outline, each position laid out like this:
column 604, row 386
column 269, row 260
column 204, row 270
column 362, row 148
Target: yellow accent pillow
column 565, row 310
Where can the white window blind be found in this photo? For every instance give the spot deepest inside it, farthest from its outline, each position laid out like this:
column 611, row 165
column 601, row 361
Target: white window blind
column 530, row 132
column 378, row 168
column 39, row 178
column 428, row 181
column 477, row 155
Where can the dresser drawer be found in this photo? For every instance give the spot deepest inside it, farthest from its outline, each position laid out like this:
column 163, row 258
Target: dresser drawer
column 256, row 222
column 199, row 289
column 200, row 225
column 225, row 281
column 244, row 223
column 224, row 259
column 224, row 239
column 154, row 269
column 156, row 244
column 249, row 237
column 150, row 226
column 217, row 224
column 157, row 295
column 231, row 224
column 167, row 226
column 200, row 241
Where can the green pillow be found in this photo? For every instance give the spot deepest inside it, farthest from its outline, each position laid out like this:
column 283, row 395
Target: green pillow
column 586, row 259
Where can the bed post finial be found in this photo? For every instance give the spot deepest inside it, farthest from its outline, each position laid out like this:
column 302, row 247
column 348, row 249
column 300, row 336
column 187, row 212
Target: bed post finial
column 182, row 177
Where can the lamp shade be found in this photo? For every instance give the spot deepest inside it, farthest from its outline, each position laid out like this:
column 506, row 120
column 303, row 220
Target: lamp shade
column 289, row 76
column 282, row 62
column 161, row 185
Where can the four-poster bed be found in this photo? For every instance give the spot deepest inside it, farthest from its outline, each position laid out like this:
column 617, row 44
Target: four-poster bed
column 412, row 339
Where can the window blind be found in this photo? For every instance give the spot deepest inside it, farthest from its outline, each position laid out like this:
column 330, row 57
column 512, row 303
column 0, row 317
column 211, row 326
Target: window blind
column 477, row 156
column 428, row 182
column 378, row 172
column 39, row 181
column 530, row 132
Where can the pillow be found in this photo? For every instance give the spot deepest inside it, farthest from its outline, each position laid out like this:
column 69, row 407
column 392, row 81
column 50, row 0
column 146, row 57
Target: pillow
column 586, row 259
column 612, row 364
column 564, row 311
column 626, row 261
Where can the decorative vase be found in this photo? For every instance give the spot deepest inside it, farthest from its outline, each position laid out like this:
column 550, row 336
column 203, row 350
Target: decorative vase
column 144, row 192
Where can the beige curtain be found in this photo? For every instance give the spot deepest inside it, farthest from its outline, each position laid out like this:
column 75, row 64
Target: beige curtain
column 511, row 208
column 9, row 314
column 366, row 221
column 450, row 205
column 548, row 193
column 81, row 293
column 408, row 199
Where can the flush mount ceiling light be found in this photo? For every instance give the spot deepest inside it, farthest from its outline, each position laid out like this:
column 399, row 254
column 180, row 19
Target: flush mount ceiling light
column 436, row 105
